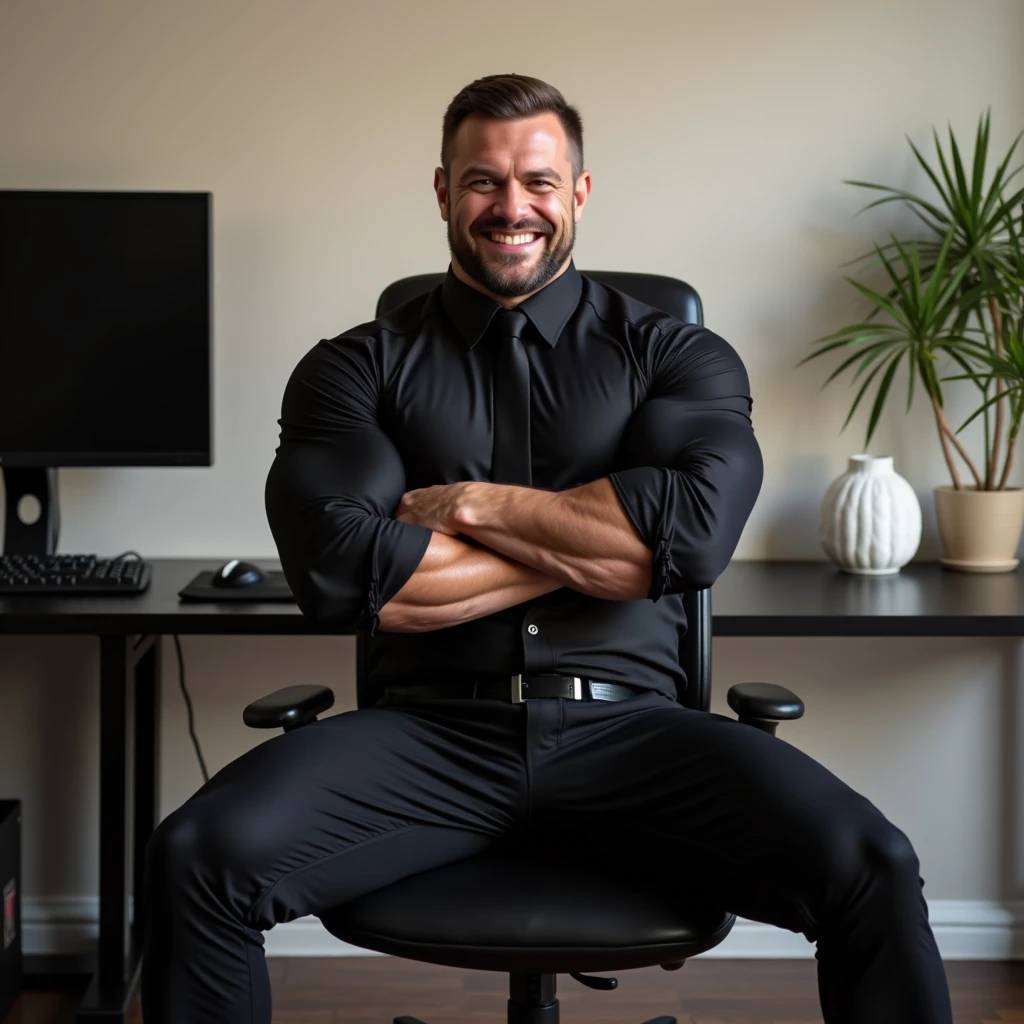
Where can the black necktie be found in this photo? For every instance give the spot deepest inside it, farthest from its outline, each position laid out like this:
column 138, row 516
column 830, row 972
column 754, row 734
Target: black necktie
column 511, row 458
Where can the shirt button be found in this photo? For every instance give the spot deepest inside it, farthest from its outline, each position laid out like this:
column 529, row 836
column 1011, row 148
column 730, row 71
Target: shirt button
column 532, row 629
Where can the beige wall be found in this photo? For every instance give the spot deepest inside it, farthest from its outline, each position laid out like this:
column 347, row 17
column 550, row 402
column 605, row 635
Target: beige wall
column 717, row 134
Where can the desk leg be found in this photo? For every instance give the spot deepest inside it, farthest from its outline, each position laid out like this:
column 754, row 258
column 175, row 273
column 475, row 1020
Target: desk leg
column 129, row 720
column 148, row 685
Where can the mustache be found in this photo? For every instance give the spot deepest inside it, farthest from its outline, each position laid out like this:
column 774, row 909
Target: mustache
column 506, row 229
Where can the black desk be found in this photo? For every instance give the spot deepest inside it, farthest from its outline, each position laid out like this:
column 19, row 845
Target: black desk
column 750, row 599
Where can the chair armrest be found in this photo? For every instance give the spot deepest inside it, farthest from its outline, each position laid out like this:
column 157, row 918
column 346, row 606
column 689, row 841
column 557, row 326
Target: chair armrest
column 764, row 705
column 288, row 708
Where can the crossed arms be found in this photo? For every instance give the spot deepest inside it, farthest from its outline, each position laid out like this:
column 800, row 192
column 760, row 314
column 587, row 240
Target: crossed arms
column 535, row 542
column 357, row 548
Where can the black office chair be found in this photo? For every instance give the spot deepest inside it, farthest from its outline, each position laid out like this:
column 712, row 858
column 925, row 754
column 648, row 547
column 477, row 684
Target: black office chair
column 519, row 907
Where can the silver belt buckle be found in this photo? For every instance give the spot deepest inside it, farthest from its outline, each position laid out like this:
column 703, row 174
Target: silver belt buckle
column 517, row 689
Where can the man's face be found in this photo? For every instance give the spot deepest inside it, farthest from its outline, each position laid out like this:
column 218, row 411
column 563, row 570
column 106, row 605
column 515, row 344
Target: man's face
column 511, row 203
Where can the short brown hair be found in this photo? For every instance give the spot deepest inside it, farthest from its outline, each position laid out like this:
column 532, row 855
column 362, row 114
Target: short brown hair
column 507, row 97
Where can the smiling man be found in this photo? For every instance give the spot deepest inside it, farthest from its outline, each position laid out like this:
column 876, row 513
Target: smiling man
column 508, row 484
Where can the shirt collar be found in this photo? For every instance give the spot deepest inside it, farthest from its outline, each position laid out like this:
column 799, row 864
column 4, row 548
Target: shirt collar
column 548, row 310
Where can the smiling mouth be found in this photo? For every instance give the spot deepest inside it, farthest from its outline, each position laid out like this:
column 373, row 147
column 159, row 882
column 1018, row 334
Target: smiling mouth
column 512, row 242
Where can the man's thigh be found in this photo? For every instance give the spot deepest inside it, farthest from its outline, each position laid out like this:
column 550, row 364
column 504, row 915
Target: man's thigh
column 314, row 817
column 706, row 805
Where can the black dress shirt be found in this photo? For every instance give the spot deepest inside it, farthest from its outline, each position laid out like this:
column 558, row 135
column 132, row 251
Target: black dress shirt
column 618, row 389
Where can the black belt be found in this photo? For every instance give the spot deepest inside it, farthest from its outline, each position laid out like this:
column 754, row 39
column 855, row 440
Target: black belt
column 521, row 687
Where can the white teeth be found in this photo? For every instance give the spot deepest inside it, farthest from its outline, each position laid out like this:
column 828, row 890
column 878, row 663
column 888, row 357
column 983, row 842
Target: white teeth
column 513, row 239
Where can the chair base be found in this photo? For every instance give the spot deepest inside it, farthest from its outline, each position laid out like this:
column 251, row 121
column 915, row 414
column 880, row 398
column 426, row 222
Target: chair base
column 532, row 1001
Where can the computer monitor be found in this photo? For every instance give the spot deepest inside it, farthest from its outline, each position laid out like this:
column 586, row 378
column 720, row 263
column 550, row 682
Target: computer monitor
column 105, row 350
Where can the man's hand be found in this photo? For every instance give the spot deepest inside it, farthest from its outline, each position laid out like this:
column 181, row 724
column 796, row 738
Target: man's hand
column 433, row 507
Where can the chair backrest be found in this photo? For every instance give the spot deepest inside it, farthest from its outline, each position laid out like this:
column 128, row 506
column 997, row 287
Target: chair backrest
column 678, row 299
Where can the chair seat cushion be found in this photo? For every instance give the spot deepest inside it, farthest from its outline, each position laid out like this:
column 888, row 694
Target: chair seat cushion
column 505, row 911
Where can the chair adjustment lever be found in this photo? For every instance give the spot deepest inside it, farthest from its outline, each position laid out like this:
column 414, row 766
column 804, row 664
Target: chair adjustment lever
column 591, row 982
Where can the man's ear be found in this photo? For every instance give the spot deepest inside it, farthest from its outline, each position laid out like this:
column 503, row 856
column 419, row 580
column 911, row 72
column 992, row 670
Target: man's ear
column 580, row 194
column 441, row 191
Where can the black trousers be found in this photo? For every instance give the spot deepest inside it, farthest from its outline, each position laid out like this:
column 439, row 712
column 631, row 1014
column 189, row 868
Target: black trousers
column 315, row 817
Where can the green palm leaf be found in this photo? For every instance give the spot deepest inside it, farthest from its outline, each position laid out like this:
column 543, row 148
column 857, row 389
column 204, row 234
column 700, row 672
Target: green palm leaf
column 944, row 293
column 883, row 391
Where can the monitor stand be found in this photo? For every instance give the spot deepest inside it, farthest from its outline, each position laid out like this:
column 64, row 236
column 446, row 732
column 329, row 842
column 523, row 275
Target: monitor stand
column 38, row 537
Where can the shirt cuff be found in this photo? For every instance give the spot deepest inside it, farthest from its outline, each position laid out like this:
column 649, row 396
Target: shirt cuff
column 645, row 493
column 399, row 547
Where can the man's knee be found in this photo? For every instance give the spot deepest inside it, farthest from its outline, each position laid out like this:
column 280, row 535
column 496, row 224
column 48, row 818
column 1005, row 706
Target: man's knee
column 195, row 840
column 867, row 855
column 888, row 853
column 173, row 847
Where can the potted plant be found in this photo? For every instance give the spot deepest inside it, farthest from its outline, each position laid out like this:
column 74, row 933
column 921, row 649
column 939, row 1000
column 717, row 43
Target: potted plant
column 953, row 296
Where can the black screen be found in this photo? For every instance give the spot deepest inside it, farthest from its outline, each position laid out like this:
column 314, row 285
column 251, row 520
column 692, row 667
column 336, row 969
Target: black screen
column 104, row 328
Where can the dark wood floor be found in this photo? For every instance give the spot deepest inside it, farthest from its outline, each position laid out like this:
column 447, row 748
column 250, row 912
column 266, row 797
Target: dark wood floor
column 373, row 990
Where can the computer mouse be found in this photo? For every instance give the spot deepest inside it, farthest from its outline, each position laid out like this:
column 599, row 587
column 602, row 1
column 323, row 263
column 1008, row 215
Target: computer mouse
column 237, row 574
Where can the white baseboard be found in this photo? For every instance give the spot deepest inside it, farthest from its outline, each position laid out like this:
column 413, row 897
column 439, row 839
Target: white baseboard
column 964, row 930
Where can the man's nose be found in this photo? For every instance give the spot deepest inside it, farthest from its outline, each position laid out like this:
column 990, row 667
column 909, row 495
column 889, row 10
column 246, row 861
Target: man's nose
column 512, row 202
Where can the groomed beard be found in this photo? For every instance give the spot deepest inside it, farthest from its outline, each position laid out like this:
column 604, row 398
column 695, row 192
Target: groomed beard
column 489, row 275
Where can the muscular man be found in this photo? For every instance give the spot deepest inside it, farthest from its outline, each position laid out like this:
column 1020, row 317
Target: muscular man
column 518, row 475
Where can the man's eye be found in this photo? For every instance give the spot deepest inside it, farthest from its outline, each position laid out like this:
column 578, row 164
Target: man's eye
column 482, row 181
column 545, row 184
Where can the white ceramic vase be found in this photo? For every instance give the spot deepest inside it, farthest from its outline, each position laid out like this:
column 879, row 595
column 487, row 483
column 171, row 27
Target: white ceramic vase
column 870, row 518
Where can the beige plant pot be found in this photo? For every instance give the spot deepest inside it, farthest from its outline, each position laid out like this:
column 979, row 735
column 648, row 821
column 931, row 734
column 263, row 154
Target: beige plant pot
column 980, row 530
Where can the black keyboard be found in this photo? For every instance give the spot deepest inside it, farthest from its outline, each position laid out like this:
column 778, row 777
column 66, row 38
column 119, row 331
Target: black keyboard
column 71, row 575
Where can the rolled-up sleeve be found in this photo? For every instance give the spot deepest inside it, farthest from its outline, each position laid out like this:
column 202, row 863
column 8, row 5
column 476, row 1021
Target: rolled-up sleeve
column 334, row 484
column 692, row 468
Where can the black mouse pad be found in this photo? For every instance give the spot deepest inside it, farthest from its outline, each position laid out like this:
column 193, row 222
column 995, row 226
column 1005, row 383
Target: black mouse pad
column 273, row 588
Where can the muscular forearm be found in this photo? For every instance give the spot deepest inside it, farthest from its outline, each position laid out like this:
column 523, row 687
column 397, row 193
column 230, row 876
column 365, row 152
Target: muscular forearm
column 581, row 537
column 456, row 582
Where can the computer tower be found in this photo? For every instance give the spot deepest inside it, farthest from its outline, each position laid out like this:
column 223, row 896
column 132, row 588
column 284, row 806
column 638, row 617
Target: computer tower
column 10, row 911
